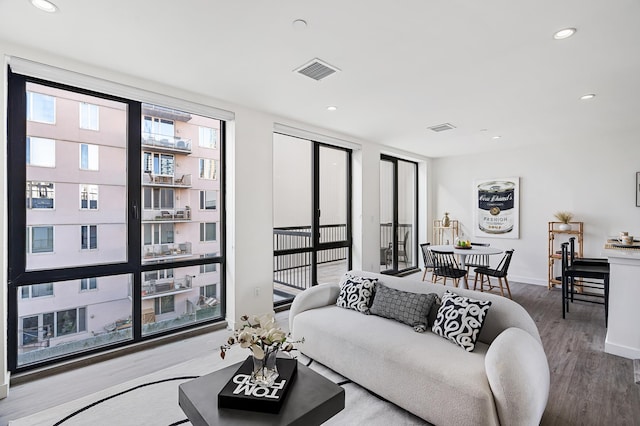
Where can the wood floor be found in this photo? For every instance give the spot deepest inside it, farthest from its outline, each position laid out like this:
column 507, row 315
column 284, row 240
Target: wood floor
column 588, row 386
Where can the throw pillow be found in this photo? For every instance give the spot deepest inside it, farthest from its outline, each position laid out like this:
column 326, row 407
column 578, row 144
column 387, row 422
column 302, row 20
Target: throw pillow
column 460, row 319
column 356, row 293
column 409, row 308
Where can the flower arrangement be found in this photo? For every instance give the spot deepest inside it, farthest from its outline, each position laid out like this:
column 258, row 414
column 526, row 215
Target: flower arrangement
column 261, row 335
column 564, row 217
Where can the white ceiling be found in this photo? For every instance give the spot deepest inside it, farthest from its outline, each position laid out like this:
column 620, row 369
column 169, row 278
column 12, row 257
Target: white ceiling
column 488, row 67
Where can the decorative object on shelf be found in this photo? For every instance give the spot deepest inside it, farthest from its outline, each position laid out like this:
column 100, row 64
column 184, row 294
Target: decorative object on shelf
column 446, row 222
column 264, row 339
column 564, row 218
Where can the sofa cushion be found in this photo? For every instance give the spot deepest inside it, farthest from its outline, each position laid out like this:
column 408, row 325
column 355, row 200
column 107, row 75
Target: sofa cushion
column 409, row 308
column 460, row 319
column 356, row 293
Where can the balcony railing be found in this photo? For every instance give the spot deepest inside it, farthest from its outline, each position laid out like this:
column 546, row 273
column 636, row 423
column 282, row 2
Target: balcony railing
column 291, row 260
column 184, row 180
column 154, row 252
column 167, row 215
column 166, row 142
column 163, row 287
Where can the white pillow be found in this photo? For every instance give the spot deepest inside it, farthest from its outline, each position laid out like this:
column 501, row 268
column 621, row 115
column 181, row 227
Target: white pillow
column 460, row 319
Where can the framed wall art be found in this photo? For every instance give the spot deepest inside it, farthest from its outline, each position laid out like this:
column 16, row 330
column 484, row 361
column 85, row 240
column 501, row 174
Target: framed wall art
column 497, row 208
column 637, row 189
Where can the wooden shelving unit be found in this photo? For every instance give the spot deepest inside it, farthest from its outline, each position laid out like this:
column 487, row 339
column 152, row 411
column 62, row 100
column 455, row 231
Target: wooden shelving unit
column 556, row 238
column 442, row 234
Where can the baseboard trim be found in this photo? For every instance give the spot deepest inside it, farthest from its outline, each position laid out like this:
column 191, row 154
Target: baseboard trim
column 621, row 350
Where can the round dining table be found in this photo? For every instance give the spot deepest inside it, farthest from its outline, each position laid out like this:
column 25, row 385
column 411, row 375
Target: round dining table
column 463, row 253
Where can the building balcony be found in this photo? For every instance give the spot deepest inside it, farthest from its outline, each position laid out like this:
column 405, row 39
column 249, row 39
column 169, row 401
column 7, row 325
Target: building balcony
column 166, row 143
column 179, row 181
column 158, row 252
column 180, row 214
column 165, row 287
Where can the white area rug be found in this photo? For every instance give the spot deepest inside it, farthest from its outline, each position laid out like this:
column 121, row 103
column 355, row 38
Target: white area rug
column 153, row 400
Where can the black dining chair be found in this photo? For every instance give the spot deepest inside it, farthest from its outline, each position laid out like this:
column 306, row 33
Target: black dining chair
column 477, row 260
column 500, row 273
column 584, row 282
column 426, row 257
column 584, row 260
column 402, row 248
column 445, row 266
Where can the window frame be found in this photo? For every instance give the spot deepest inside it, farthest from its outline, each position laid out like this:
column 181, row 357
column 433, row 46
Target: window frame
column 50, row 155
column 88, row 237
column 85, row 188
column 93, row 165
column 30, row 192
column 86, row 116
column 30, row 107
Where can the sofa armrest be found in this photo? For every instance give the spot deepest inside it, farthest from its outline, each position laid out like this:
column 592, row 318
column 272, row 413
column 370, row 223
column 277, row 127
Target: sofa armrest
column 314, row 297
column 518, row 374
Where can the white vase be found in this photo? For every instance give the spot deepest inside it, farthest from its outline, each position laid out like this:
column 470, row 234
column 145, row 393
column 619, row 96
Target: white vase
column 564, row 227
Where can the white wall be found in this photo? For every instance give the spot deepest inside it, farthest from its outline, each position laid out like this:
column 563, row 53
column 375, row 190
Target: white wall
column 594, row 182
column 249, row 194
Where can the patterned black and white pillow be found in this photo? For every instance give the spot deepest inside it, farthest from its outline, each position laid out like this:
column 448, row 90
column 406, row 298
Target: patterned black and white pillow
column 356, row 293
column 460, row 319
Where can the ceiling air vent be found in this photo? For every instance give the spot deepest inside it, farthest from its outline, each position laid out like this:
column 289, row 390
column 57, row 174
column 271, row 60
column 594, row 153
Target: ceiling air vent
column 442, row 127
column 316, row 69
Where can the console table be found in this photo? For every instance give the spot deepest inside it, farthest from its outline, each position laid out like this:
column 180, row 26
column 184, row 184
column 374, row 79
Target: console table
column 312, row 400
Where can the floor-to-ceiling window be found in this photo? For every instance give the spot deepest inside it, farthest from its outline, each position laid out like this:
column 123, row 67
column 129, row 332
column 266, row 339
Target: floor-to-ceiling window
column 312, row 219
column 398, row 215
column 115, row 220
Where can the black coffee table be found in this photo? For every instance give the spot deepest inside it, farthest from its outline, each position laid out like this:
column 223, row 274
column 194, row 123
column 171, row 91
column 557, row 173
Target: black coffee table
column 312, row 400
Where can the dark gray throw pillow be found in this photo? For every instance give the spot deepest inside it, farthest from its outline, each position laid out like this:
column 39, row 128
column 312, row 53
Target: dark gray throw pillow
column 409, row 308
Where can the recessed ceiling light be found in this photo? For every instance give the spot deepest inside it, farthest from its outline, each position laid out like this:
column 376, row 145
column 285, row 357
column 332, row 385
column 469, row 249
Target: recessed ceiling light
column 332, row 108
column 496, row 137
column 564, row 33
column 45, row 5
column 299, row 24
column 587, row 96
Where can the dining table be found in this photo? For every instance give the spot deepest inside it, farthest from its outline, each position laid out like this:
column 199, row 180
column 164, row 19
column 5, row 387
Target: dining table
column 464, row 252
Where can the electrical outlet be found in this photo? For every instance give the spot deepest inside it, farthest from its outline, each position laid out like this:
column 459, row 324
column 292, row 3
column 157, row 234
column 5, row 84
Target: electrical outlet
column 256, row 291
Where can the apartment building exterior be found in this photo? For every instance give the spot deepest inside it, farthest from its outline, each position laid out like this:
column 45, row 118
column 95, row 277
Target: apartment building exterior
column 78, row 214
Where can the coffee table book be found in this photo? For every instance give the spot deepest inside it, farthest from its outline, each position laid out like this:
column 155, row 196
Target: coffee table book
column 240, row 394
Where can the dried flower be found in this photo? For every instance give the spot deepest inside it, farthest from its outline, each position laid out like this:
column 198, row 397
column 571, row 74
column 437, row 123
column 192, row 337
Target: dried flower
column 259, row 335
column 564, row 217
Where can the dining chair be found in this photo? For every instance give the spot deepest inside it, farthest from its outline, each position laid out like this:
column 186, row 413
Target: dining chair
column 584, row 260
column 586, row 289
column 426, row 256
column 402, row 248
column 445, row 266
column 477, row 260
column 500, row 273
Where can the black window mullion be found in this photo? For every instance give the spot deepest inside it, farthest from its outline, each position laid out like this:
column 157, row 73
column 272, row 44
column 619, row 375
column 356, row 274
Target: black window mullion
column 134, row 225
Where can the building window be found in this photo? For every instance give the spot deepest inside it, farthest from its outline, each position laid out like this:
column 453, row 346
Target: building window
column 208, row 137
column 164, row 304
column 88, row 197
column 89, row 116
column 36, row 290
column 158, row 233
column 209, row 267
column 158, row 164
column 158, row 275
column 209, row 290
column 41, row 239
column 40, row 195
column 158, row 198
column 89, row 237
column 87, row 284
column 71, row 321
column 207, row 232
column 208, row 200
column 41, row 108
column 157, row 128
column 41, row 152
column 88, row 157
column 208, row 169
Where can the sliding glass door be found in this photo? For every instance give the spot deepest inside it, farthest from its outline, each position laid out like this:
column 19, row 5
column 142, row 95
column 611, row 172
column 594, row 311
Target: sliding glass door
column 398, row 215
column 312, row 211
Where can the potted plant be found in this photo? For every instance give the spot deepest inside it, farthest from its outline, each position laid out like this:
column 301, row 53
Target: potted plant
column 564, row 218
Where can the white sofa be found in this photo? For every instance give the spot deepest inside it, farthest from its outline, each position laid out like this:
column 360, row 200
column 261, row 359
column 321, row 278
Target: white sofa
column 505, row 380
